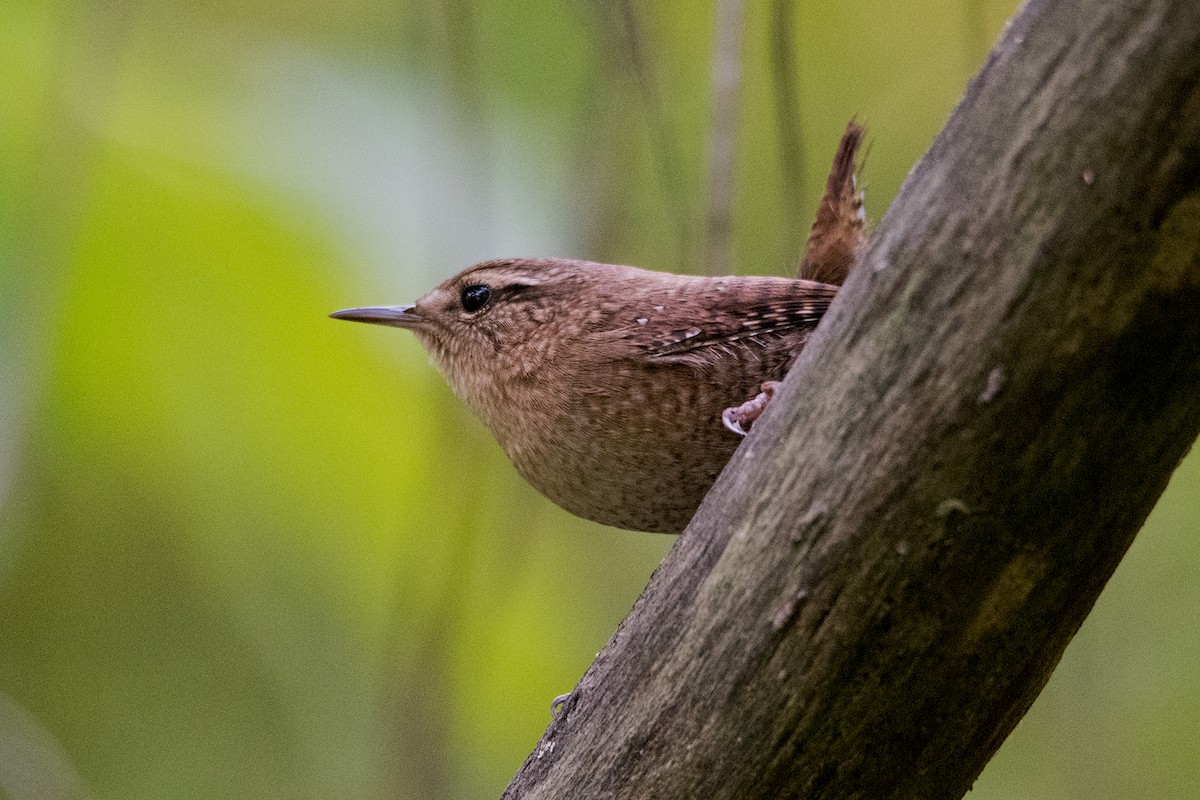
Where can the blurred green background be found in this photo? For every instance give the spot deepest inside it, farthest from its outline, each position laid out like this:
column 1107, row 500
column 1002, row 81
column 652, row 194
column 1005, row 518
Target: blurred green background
column 247, row 551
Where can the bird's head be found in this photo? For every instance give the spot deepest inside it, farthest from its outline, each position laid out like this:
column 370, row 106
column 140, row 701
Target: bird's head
column 502, row 322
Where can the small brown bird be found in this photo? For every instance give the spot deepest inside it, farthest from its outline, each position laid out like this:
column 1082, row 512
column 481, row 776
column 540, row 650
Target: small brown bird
column 613, row 389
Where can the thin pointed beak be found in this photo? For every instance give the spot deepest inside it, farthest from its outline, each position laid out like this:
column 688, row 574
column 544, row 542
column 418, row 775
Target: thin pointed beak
column 396, row 316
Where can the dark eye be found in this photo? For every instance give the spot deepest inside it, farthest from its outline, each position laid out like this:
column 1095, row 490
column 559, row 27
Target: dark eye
column 475, row 297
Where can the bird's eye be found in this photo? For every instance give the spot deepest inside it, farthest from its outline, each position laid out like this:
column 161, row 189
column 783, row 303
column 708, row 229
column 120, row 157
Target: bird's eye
column 475, row 297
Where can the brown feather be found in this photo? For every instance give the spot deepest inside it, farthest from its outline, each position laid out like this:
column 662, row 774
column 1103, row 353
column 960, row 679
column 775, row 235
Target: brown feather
column 839, row 231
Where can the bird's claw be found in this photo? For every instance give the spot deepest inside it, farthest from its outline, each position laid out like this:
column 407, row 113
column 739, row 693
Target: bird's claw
column 556, row 705
column 730, row 420
column 739, row 418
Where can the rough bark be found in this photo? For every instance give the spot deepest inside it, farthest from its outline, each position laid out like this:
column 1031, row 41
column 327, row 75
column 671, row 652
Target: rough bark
column 889, row 569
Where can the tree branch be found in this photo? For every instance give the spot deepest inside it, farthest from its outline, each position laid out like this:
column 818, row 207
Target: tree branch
column 884, row 577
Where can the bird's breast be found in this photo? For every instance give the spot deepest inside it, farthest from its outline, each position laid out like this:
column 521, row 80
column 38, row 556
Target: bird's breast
column 636, row 448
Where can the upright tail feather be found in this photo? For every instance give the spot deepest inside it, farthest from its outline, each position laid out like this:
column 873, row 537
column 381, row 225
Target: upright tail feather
column 838, row 233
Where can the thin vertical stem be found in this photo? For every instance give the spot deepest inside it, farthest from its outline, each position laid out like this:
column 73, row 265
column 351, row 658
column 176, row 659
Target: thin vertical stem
column 722, row 137
column 51, row 197
column 664, row 141
column 785, row 78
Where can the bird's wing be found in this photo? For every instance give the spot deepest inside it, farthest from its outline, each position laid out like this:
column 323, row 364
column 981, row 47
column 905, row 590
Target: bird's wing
column 742, row 317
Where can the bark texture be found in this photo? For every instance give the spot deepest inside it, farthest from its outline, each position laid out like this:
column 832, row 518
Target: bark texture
column 887, row 572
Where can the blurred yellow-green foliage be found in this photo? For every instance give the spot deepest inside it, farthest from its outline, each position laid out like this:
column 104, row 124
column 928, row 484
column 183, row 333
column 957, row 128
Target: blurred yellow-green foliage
column 246, row 551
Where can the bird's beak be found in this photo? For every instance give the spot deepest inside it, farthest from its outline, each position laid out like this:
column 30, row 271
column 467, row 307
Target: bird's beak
column 396, row 316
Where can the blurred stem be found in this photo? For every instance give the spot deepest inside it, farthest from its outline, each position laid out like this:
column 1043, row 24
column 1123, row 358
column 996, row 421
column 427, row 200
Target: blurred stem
column 785, row 78
column 456, row 23
column 419, row 710
column 722, row 136
column 418, row 713
column 55, row 189
column 631, row 36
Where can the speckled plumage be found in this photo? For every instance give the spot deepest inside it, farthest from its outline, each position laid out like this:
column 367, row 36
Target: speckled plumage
column 605, row 384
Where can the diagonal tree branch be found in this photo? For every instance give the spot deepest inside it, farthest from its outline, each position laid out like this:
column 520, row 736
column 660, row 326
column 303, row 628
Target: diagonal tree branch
column 886, row 574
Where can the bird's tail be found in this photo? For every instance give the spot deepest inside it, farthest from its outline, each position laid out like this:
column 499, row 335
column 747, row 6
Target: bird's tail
column 838, row 234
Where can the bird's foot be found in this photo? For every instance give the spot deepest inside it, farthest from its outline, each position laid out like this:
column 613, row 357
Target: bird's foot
column 739, row 418
column 557, row 705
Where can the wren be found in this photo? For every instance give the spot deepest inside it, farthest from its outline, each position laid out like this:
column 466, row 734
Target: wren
column 613, row 389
